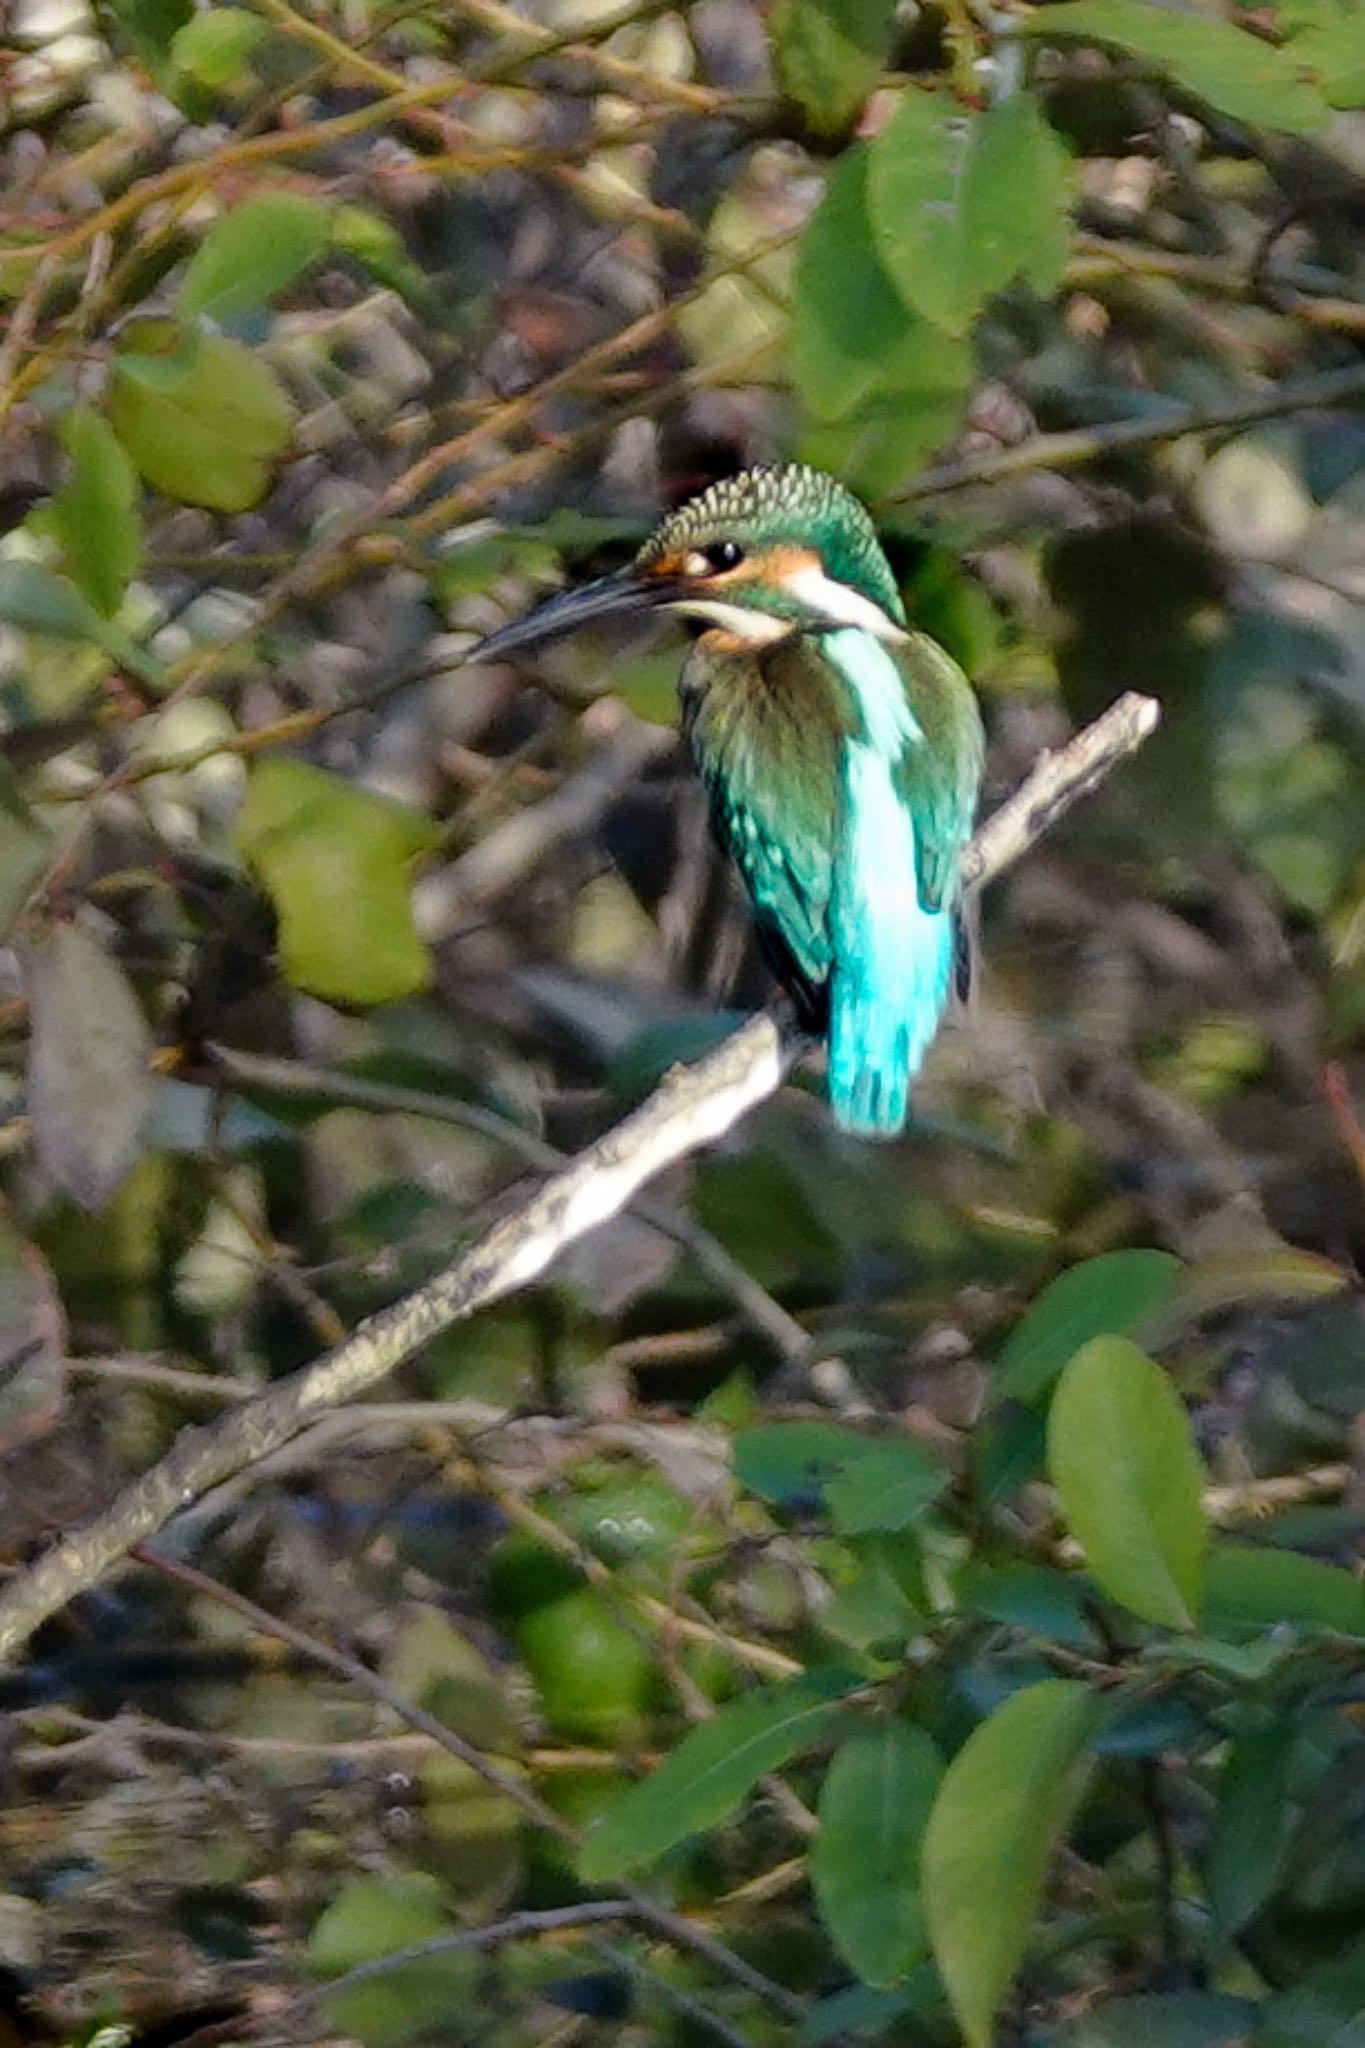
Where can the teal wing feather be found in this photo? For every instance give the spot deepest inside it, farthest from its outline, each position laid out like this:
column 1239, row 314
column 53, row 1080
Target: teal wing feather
column 766, row 747
column 940, row 777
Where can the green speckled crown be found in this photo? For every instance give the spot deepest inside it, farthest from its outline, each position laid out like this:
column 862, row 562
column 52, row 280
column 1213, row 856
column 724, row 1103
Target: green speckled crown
column 785, row 504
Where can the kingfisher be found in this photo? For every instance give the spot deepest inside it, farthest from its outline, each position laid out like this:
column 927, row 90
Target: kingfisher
column 841, row 754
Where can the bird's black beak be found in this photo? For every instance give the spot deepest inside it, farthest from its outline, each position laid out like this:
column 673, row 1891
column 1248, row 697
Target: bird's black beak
column 623, row 594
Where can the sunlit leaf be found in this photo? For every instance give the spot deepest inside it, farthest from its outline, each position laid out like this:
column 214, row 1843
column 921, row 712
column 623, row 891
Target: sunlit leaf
column 214, row 47
column 874, row 1808
column 961, row 204
column 1121, row 1455
column 829, row 55
column 1109, row 1295
column 1232, row 70
column 1330, row 45
column 95, row 511
column 88, row 1084
column 254, row 253
column 1006, row 1798
column 703, row 1781
column 337, row 863
column 202, row 417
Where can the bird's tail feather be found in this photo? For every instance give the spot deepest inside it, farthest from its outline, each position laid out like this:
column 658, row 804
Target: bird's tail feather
column 886, row 1002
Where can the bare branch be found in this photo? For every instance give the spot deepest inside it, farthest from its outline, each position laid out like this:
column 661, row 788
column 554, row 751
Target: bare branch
column 1077, row 445
column 692, row 1107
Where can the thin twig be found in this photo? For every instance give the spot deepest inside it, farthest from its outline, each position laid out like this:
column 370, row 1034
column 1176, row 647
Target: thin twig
column 672, row 1926
column 479, row 1940
column 1089, row 444
column 691, row 1108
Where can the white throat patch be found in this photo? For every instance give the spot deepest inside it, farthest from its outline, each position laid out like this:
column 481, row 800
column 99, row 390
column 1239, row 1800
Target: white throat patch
column 840, row 605
column 761, row 628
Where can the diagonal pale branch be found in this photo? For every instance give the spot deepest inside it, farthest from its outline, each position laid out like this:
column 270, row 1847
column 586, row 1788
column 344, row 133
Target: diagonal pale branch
column 692, row 1107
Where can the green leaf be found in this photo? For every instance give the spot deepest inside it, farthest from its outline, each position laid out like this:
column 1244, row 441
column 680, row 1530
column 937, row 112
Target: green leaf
column 254, row 253
column 37, row 600
column 89, row 1089
column 1231, row 70
column 1223, row 1280
column 829, row 54
column 25, row 849
column 1331, row 46
column 214, row 47
column 917, row 172
column 374, row 1917
column 1121, row 1455
column 149, row 26
column 711, row 1771
column 962, row 204
column 203, row 418
column 1169, row 2019
column 1007, row 1796
column 888, row 1485
column 792, row 1462
column 869, row 1483
column 336, row 862
column 1109, row 1295
column 874, row 1808
column 1252, row 1823
column 1018, row 197
column 873, row 1607
column 881, row 444
column 94, row 513
column 1252, row 1588
column 852, row 335
column 1033, row 1597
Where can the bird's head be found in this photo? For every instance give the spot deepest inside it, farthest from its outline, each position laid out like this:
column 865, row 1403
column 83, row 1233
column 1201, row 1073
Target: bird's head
column 756, row 557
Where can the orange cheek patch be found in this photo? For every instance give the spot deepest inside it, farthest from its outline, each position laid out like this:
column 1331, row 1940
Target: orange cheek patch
column 667, row 568
column 764, row 565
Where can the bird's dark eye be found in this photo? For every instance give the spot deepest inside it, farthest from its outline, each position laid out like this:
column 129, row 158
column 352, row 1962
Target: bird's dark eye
column 723, row 554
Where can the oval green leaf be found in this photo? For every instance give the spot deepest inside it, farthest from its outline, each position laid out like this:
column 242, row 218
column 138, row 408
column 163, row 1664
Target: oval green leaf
column 1007, row 1796
column 337, row 864
column 711, row 1771
column 963, row 204
column 1121, row 1455
column 889, row 1484
column 829, row 54
column 1110, row 1295
column 1237, row 73
column 865, row 1861
column 253, row 254
column 1252, row 1823
column 204, row 424
column 1251, row 1588
column 793, row 1462
column 214, row 47
column 95, row 511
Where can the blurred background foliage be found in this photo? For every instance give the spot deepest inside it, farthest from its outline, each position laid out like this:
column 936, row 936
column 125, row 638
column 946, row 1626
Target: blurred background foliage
column 334, row 334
